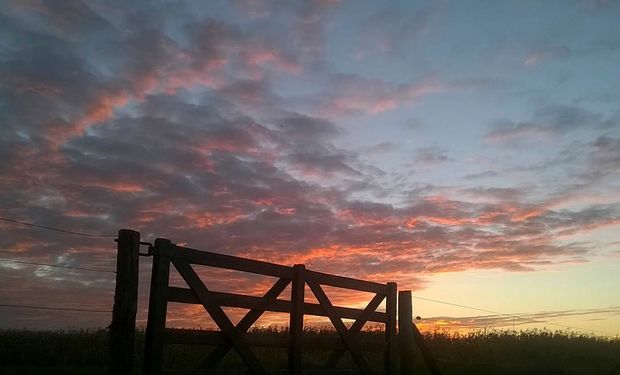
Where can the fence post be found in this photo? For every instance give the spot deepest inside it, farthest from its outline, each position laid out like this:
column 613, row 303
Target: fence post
column 123, row 326
column 426, row 352
column 390, row 329
column 158, row 303
column 405, row 333
column 296, row 325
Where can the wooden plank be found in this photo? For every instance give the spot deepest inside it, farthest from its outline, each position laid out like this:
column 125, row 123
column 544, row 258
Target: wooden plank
column 390, row 330
column 357, row 326
column 230, row 262
column 338, row 324
column 347, row 282
column 405, row 333
column 424, row 349
column 123, row 326
column 237, row 371
column 158, row 302
column 280, row 341
column 296, row 323
column 218, row 315
column 247, row 321
column 184, row 295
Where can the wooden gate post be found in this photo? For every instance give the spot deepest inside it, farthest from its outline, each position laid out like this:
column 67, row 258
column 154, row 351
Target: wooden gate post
column 296, row 325
column 390, row 329
column 123, row 326
column 405, row 333
column 158, row 304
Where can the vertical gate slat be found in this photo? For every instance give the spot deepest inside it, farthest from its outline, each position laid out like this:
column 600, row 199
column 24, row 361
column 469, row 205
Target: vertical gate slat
column 405, row 333
column 296, row 325
column 390, row 329
column 158, row 304
column 165, row 252
column 123, row 326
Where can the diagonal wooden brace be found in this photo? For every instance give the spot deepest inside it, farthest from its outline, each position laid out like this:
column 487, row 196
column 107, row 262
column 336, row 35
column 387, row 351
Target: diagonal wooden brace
column 247, row 321
column 338, row 325
column 356, row 328
column 218, row 315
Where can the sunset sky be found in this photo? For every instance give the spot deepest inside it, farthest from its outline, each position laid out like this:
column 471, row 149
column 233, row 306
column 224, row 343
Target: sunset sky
column 468, row 150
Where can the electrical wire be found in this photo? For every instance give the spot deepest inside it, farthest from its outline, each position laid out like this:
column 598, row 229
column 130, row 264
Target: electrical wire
column 56, row 265
column 529, row 320
column 53, row 308
column 102, row 235
column 60, row 230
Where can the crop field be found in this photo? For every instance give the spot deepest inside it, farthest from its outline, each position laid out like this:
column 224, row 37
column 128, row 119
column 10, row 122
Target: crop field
column 491, row 352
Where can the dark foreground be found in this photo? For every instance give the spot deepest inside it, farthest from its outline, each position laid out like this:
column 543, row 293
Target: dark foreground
column 530, row 352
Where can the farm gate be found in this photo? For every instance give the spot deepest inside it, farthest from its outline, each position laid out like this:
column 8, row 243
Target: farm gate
column 231, row 336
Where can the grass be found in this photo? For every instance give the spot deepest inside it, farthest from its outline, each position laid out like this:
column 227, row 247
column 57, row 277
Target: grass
column 494, row 352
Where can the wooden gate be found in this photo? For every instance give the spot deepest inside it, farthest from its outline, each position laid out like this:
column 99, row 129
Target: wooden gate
column 233, row 336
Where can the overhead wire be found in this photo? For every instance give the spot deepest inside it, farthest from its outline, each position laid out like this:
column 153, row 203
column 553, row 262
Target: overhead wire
column 103, row 235
column 56, row 265
column 55, row 229
column 53, row 308
column 516, row 316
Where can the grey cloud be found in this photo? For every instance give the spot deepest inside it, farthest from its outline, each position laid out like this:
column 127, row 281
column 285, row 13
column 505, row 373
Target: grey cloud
column 430, row 156
column 542, row 55
column 547, row 121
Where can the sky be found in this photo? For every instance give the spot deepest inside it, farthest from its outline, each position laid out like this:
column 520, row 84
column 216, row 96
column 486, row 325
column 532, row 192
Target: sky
column 467, row 150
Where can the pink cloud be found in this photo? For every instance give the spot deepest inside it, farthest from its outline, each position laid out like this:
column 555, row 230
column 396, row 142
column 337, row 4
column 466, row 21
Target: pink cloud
column 353, row 95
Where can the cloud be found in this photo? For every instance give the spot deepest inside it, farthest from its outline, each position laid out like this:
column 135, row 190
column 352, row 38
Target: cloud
column 177, row 125
column 542, row 55
column 517, row 321
column 485, row 174
column 430, row 156
column 547, row 122
column 349, row 95
column 389, row 30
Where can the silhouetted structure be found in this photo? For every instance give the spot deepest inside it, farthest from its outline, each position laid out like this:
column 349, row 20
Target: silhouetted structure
column 231, row 336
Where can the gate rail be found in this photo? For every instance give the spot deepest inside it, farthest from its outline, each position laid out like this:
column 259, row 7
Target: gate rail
column 231, row 336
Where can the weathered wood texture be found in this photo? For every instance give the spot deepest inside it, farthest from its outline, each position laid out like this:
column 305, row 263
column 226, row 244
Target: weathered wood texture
column 231, row 336
column 357, row 326
column 410, row 337
column 184, row 295
column 218, row 315
column 247, row 321
column 405, row 333
column 123, row 326
column 338, row 325
column 158, row 304
column 390, row 329
column 230, row 262
column 424, row 349
column 296, row 321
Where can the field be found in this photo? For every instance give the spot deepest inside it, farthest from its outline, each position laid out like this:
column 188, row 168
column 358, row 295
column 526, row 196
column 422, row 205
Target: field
column 494, row 352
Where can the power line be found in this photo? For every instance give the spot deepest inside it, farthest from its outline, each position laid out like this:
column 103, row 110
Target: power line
column 60, row 230
column 53, row 308
column 531, row 320
column 57, row 266
column 467, row 307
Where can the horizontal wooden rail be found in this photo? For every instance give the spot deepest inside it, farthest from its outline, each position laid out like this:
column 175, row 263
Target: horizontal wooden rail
column 347, row 282
column 214, row 338
column 319, row 371
column 207, row 258
column 184, row 295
